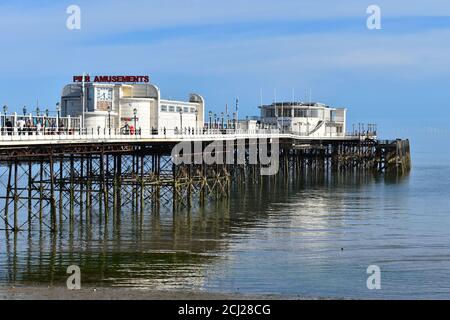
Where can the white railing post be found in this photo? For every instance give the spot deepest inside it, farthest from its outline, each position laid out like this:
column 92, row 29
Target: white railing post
column 15, row 124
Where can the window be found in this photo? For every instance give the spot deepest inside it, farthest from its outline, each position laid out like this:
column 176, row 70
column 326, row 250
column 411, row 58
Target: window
column 286, row 113
column 178, row 109
column 186, row 110
column 192, row 110
column 171, row 109
column 270, row 113
column 164, row 108
column 306, row 113
column 314, row 113
column 299, row 113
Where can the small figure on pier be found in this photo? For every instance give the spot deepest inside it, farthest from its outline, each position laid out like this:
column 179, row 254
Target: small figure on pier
column 9, row 126
column 20, row 126
column 126, row 128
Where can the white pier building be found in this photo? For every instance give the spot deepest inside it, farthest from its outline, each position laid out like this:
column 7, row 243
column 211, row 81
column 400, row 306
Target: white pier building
column 116, row 105
column 305, row 119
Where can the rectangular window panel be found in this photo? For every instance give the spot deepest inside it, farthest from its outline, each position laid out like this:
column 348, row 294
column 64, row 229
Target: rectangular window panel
column 300, row 113
column 314, row 113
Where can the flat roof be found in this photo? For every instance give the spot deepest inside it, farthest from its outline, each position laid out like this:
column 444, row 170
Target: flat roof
column 295, row 104
column 169, row 102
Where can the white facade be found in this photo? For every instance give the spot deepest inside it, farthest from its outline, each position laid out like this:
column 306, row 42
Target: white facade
column 250, row 125
column 306, row 119
column 103, row 106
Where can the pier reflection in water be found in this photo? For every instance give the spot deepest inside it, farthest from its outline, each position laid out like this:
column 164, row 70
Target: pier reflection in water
column 224, row 245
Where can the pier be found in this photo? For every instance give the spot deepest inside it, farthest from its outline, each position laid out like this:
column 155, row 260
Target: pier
column 51, row 178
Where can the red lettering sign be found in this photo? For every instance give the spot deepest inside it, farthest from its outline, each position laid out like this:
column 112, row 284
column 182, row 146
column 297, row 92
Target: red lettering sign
column 112, row 79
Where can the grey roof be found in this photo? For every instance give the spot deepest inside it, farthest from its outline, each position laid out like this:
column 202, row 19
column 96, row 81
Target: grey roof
column 294, row 104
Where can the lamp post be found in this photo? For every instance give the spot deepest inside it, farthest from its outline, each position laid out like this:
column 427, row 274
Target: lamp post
column 222, row 118
column 109, row 119
column 215, row 120
column 135, row 113
column 237, row 108
column 24, row 110
column 46, row 121
column 58, row 115
column 226, row 114
column 196, row 120
column 5, row 110
column 210, row 119
column 234, row 121
column 181, row 120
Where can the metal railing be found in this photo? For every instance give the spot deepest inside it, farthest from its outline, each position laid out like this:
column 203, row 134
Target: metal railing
column 39, row 128
column 106, row 135
column 123, row 134
column 32, row 125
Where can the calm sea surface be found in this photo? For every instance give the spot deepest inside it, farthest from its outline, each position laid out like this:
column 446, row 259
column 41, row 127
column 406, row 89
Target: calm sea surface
column 315, row 236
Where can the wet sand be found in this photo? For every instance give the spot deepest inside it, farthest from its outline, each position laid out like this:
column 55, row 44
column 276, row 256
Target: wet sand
column 108, row 293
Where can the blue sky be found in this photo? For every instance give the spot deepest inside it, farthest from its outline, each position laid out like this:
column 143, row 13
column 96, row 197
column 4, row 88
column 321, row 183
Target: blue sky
column 397, row 77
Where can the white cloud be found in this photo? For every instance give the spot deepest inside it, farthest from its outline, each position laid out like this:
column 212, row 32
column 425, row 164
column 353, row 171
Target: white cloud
column 421, row 54
column 33, row 22
column 35, row 40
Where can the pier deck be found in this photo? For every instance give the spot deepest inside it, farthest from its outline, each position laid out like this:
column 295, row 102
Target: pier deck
column 51, row 139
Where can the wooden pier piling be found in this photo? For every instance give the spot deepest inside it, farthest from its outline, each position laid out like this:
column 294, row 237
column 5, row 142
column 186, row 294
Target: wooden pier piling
column 61, row 180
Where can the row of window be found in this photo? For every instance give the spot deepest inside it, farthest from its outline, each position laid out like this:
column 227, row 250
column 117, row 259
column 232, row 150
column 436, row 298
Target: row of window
column 298, row 113
column 178, row 109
